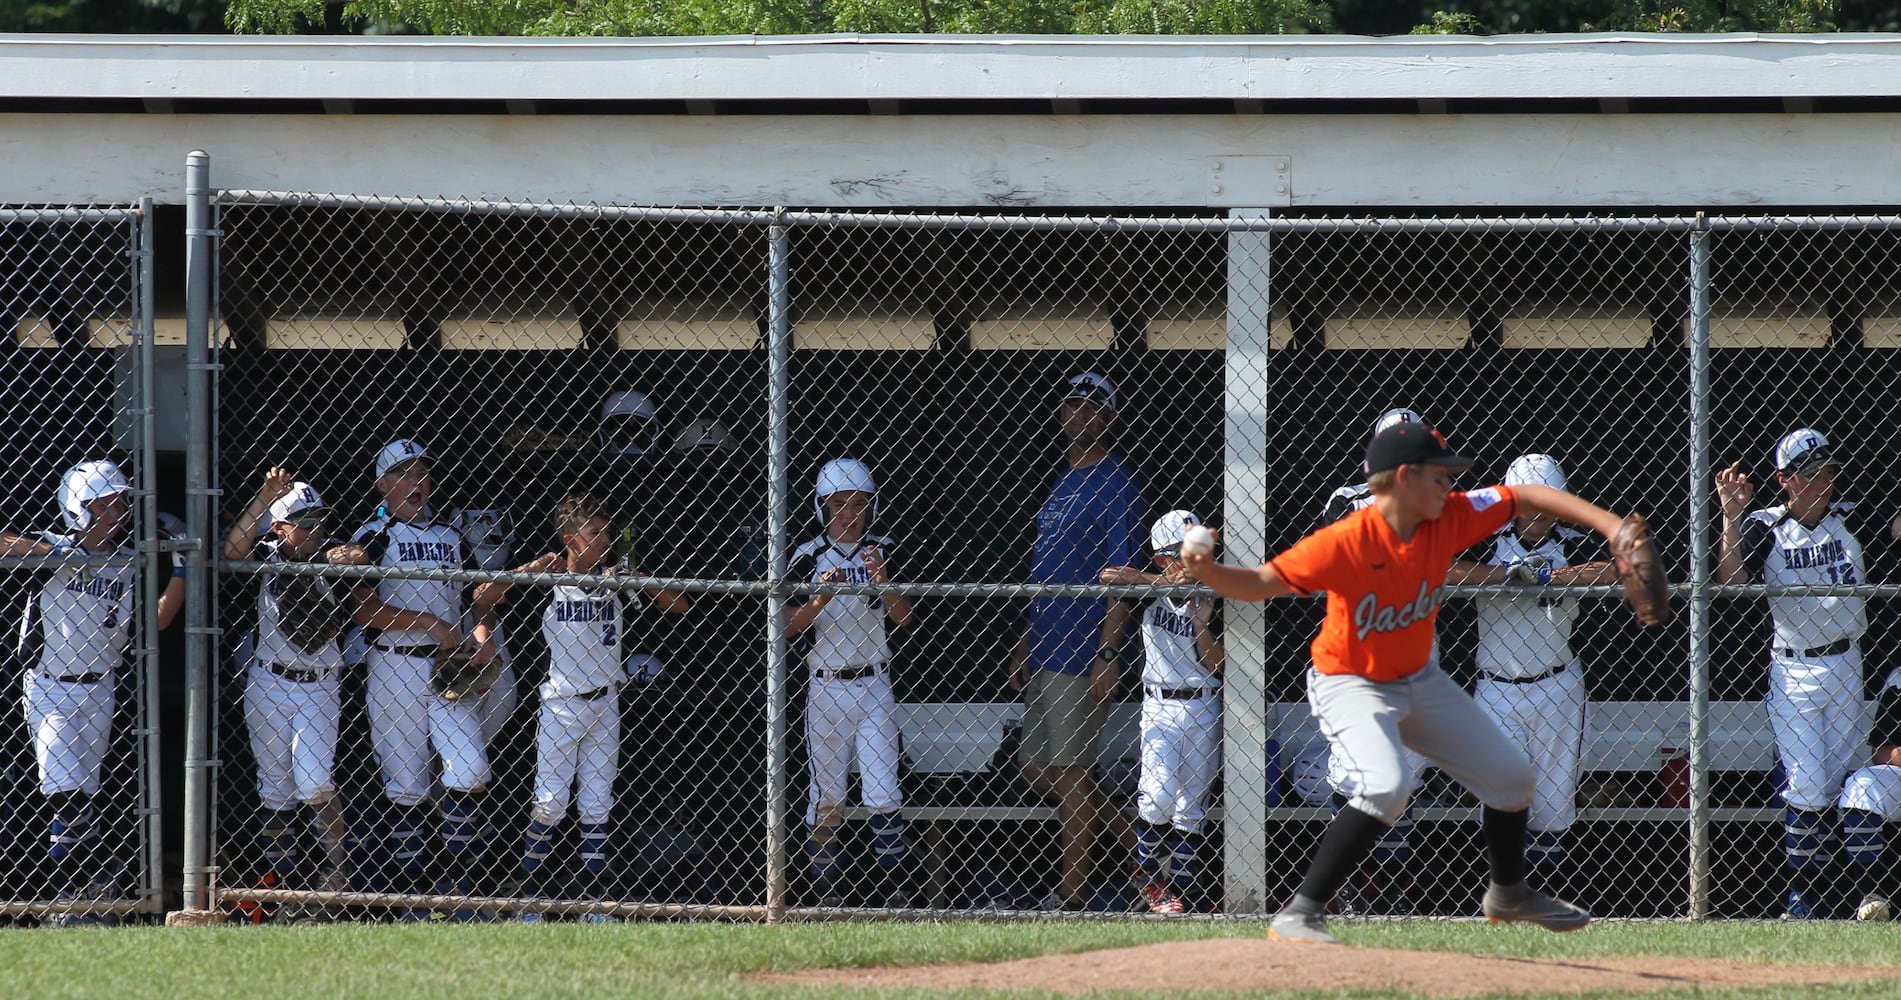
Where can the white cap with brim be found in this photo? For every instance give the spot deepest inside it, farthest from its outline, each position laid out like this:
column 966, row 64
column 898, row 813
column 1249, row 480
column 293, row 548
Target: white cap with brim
column 396, row 453
column 1165, row 537
column 1093, row 388
column 1535, row 470
column 1804, row 450
column 301, row 501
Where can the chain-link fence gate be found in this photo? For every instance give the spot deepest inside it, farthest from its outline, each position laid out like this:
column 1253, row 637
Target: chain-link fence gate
column 88, row 583
column 740, row 674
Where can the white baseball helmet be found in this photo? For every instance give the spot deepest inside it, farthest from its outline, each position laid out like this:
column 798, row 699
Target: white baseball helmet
column 1165, row 536
column 490, row 533
column 842, row 475
column 84, row 483
column 1535, row 470
column 1308, row 773
column 629, row 423
column 1395, row 416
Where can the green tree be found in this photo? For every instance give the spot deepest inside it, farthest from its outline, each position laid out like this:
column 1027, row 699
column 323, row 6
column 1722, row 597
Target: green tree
column 783, row 17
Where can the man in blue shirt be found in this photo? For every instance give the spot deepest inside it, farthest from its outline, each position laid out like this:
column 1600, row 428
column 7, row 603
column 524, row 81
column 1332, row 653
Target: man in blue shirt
column 1067, row 663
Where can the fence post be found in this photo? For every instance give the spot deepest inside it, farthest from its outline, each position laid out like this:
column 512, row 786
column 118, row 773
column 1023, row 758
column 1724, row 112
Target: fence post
column 200, row 262
column 1700, row 597
column 152, row 879
column 778, row 378
column 1246, row 727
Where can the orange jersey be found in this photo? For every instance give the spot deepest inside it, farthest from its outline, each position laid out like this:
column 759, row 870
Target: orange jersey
column 1383, row 594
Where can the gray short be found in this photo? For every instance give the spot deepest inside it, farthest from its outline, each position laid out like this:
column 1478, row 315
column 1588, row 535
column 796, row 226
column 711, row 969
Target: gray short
column 1061, row 723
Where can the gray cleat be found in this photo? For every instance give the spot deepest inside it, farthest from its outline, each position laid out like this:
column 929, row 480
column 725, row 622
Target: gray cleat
column 1300, row 928
column 1523, row 904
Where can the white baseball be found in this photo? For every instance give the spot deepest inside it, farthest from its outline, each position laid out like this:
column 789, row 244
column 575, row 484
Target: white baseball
column 1198, row 541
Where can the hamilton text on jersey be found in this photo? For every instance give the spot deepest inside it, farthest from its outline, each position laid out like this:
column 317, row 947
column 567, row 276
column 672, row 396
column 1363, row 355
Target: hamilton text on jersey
column 1815, row 555
column 428, row 552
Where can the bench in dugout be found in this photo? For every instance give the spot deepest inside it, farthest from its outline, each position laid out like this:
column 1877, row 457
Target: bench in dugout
column 950, row 745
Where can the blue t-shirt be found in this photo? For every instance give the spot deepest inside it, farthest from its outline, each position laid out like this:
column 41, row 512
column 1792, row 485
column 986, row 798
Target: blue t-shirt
column 1092, row 520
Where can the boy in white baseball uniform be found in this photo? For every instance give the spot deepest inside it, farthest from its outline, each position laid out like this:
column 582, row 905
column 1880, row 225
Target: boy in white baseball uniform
column 850, row 710
column 1870, row 799
column 1181, row 727
column 81, row 621
column 1815, row 675
column 577, row 739
column 1530, row 682
column 291, row 699
column 406, row 623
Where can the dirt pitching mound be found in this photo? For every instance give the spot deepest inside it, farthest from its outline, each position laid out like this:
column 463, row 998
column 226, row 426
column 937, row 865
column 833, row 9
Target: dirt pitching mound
column 1256, row 964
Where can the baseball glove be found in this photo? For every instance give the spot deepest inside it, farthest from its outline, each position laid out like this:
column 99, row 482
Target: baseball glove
column 309, row 612
column 456, row 674
column 1640, row 568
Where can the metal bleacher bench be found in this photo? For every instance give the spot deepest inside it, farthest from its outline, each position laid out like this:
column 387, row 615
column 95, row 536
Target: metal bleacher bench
column 962, row 738
column 953, row 738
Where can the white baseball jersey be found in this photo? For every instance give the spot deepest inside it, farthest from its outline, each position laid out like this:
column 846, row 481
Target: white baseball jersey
column 82, row 617
column 273, row 646
column 850, row 630
column 1170, row 659
column 1344, row 501
column 1527, row 635
column 583, row 627
column 422, row 544
column 1781, row 550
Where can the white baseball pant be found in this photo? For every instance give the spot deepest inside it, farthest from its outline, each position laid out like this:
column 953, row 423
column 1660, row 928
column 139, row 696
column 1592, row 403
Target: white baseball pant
column 1181, row 753
column 293, row 736
column 1815, row 712
column 577, row 743
column 71, row 723
column 407, row 720
column 1371, row 723
column 1876, row 789
column 1545, row 718
column 844, row 719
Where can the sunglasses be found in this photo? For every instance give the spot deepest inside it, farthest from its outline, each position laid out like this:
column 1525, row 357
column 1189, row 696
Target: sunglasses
column 308, row 523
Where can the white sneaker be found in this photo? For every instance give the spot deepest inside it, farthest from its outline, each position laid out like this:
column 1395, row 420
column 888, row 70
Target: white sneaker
column 1874, row 908
column 1523, row 904
column 1300, row 928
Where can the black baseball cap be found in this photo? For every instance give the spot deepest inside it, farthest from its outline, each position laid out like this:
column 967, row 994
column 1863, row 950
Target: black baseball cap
column 1410, row 444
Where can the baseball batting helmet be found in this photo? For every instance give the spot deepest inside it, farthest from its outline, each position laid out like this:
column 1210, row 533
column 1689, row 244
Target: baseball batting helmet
column 1395, row 416
column 629, row 424
column 1308, row 773
column 1535, row 470
column 84, row 483
column 842, row 475
column 1165, row 536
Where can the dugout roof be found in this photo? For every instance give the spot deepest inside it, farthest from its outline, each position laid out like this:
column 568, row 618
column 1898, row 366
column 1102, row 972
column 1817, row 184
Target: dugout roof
column 994, row 121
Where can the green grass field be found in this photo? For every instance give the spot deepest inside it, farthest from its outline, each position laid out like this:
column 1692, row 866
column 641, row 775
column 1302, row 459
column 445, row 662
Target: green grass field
column 711, row 960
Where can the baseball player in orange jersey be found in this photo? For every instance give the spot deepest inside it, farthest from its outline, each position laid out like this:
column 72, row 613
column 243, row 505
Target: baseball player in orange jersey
column 1372, row 687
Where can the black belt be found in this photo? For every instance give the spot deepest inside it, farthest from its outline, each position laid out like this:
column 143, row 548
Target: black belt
column 1180, row 694
column 1836, row 648
column 1553, row 672
column 849, row 673
column 595, row 695
column 92, row 678
column 297, row 674
column 428, row 649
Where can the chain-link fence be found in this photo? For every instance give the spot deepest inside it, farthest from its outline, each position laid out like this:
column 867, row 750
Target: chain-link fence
column 776, row 521
column 88, row 586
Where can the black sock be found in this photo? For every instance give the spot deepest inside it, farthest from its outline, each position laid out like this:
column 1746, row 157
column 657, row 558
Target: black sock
column 1505, row 844
column 1346, row 843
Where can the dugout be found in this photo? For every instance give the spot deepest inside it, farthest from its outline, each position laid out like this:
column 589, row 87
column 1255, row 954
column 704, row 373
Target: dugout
column 943, row 344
